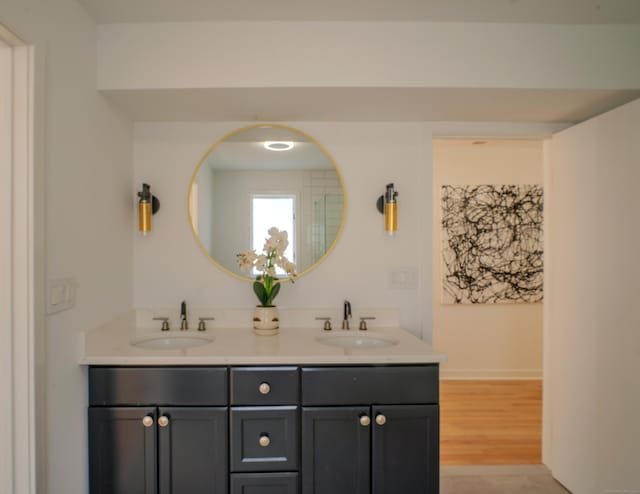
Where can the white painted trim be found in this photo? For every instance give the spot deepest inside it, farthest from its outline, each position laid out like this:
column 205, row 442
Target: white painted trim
column 8, row 37
column 490, row 374
column 17, row 324
column 549, row 301
column 6, row 293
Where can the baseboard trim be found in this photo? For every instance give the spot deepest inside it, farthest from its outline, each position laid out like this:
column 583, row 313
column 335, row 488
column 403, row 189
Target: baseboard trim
column 490, row 374
column 462, row 471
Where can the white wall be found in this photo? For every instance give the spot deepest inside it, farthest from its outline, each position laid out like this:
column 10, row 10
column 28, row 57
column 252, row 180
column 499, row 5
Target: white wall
column 169, row 266
column 367, row 54
column 591, row 299
column 489, row 340
column 87, row 152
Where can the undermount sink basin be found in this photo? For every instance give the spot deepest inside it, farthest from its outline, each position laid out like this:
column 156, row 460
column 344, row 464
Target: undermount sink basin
column 171, row 342
column 354, row 341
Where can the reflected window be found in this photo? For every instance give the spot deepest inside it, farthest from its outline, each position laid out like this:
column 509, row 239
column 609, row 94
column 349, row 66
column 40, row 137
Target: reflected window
column 268, row 210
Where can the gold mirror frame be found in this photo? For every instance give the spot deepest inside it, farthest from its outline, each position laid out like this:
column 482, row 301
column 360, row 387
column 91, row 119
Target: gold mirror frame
column 238, row 131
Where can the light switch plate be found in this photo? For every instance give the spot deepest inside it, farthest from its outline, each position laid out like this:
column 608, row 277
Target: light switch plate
column 404, row 278
column 61, row 294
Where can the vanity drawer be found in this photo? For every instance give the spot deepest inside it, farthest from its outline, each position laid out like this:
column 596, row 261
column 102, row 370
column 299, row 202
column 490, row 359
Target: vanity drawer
column 264, row 483
column 181, row 386
column 264, row 439
column 362, row 385
column 264, row 385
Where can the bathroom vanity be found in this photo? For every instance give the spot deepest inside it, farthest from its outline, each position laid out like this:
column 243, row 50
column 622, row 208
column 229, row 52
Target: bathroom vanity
column 302, row 418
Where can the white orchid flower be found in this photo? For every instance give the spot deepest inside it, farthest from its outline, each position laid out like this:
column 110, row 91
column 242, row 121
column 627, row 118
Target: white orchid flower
column 260, row 262
column 266, row 263
column 270, row 244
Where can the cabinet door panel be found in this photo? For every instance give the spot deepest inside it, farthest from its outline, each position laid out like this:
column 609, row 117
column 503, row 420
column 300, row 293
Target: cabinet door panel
column 277, row 426
column 364, row 385
column 138, row 386
column 405, row 450
column 193, row 450
column 264, row 483
column 122, row 451
column 335, row 453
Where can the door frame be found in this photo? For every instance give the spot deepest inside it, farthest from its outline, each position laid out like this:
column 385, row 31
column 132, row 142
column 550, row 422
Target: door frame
column 481, row 131
column 18, row 266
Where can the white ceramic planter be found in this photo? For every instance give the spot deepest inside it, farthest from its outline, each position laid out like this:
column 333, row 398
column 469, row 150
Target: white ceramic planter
column 266, row 321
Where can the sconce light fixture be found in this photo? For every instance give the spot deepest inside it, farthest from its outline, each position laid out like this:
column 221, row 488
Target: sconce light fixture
column 148, row 205
column 388, row 206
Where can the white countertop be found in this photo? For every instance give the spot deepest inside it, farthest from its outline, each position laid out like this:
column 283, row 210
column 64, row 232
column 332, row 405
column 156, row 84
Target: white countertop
column 111, row 345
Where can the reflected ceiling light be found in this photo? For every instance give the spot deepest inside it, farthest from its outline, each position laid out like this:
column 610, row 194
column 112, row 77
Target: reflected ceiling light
column 278, row 145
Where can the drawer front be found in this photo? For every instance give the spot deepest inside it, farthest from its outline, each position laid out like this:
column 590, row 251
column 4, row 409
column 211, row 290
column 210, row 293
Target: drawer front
column 264, row 439
column 264, row 385
column 361, row 385
column 180, row 386
column 264, row 483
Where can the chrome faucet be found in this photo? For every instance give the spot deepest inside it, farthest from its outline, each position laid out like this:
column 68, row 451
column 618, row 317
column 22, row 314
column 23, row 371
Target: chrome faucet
column 184, row 324
column 347, row 314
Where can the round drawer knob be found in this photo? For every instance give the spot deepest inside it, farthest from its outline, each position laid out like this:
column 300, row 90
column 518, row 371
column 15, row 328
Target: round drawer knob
column 147, row 421
column 264, row 388
column 381, row 419
column 163, row 421
column 264, row 441
column 365, row 420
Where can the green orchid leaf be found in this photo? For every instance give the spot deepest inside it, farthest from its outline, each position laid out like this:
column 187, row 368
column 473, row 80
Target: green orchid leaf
column 260, row 292
column 274, row 291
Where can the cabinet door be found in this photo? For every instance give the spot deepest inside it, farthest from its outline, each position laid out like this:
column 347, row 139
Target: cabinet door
column 192, row 450
column 264, row 439
column 405, row 449
column 122, row 450
column 335, row 450
column 264, row 483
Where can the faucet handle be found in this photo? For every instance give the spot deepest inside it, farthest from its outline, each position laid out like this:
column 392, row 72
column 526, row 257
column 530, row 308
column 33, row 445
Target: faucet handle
column 363, row 322
column 202, row 325
column 165, row 323
column 327, row 322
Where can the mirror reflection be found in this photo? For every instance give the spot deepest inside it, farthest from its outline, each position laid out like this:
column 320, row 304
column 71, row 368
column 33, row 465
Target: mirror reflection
column 263, row 176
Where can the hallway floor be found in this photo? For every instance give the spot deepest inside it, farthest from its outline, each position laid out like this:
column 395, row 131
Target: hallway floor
column 511, row 479
column 491, row 422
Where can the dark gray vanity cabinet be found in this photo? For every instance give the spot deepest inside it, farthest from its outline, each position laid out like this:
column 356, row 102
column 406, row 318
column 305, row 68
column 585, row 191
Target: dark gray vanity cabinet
column 147, row 437
column 405, row 449
column 364, row 429
column 337, row 449
column 386, row 441
column 264, row 430
column 122, row 451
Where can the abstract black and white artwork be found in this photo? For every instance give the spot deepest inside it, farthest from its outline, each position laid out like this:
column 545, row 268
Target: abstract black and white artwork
column 492, row 244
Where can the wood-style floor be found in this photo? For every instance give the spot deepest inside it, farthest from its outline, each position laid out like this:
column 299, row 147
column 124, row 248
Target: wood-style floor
column 490, row 422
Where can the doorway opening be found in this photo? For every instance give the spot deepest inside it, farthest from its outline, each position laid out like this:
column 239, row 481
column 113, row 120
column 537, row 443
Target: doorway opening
column 487, row 293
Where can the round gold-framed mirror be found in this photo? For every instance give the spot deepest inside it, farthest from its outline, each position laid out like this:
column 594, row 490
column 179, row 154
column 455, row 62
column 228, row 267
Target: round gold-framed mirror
column 261, row 176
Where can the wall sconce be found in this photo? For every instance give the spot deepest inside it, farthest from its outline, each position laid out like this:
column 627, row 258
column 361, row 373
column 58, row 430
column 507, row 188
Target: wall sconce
column 388, row 206
column 148, row 205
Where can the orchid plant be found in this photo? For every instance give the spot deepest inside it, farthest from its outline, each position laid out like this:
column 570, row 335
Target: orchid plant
column 267, row 285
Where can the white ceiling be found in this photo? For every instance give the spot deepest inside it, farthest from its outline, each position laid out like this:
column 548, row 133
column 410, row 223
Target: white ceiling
column 368, row 104
column 245, row 151
column 518, row 11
